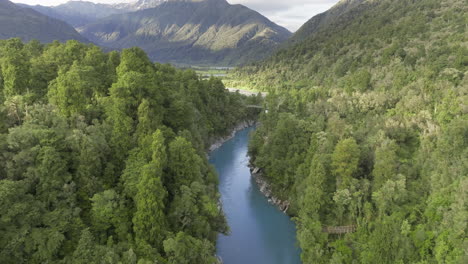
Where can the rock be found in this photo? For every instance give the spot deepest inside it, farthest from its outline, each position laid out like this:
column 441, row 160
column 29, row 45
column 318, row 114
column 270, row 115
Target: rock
column 219, row 142
column 265, row 189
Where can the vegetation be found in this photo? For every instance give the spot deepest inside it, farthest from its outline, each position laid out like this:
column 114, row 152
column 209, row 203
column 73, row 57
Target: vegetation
column 367, row 125
column 102, row 156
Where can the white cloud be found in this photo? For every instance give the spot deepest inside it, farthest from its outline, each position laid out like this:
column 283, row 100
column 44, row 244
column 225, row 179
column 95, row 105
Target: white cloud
column 288, row 13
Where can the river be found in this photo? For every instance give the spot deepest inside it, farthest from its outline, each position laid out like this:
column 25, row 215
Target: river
column 260, row 232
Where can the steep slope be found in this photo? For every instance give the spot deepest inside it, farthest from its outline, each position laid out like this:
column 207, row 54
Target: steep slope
column 195, row 32
column 102, row 157
column 138, row 5
column 366, row 133
column 322, row 20
column 27, row 24
column 80, row 13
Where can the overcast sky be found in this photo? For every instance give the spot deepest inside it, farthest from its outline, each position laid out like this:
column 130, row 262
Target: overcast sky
column 288, row 13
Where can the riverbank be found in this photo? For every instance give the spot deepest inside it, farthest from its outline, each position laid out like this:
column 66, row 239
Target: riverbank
column 259, row 232
column 215, row 144
column 266, row 189
column 256, row 173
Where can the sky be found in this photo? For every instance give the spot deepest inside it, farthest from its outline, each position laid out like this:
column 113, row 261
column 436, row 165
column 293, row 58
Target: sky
column 287, row 13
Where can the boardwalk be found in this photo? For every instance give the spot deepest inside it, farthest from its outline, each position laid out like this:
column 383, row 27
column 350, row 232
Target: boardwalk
column 338, row 230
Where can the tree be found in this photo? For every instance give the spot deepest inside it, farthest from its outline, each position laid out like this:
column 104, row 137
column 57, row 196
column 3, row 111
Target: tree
column 15, row 68
column 132, row 172
column 52, row 176
column 390, row 195
column 20, row 212
column 385, row 164
column 345, row 161
column 149, row 221
column 192, row 212
column 109, row 211
column 134, row 60
column 184, row 249
column 148, row 120
column 72, row 91
column 90, row 252
column 184, row 164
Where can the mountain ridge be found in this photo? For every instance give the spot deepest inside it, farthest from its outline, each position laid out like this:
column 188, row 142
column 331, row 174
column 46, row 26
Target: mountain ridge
column 320, row 21
column 180, row 31
column 28, row 24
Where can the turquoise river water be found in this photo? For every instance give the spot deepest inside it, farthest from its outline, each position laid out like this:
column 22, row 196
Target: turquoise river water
column 260, row 233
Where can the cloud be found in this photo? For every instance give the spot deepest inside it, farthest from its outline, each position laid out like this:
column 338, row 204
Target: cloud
column 288, row 13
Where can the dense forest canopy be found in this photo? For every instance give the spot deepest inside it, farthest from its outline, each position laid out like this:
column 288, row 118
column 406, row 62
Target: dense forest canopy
column 102, row 156
column 367, row 126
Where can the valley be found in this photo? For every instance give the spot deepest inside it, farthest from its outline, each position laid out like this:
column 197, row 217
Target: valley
column 206, row 132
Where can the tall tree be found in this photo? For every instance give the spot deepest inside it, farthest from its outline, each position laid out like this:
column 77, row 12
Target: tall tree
column 15, row 68
column 72, row 91
column 184, row 164
column 386, row 163
column 184, row 249
column 149, row 221
column 345, row 161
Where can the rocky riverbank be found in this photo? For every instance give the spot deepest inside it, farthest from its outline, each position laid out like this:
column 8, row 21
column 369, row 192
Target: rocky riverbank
column 265, row 189
column 257, row 173
column 220, row 141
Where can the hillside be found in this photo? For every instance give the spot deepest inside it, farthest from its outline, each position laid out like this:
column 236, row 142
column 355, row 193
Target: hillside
column 191, row 32
column 27, row 24
column 80, row 13
column 103, row 156
column 322, row 20
column 367, row 128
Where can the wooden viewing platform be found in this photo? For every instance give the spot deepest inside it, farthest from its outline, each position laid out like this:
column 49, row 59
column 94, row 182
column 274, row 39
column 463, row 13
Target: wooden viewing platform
column 338, row 230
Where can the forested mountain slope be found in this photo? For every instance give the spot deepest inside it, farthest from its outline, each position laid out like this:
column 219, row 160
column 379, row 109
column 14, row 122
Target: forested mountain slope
column 191, row 32
column 367, row 125
column 322, row 20
column 102, row 156
column 27, row 24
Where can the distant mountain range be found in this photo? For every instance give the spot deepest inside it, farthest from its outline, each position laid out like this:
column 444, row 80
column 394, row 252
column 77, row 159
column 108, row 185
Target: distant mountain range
column 80, row 13
column 201, row 32
column 194, row 32
column 27, row 24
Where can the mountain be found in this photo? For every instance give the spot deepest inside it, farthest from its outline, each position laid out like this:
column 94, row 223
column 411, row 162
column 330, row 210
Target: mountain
column 366, row 132
column 78, row 13
column 27, row 24
column 191, row 32
column 138, row 5
column 320, row 21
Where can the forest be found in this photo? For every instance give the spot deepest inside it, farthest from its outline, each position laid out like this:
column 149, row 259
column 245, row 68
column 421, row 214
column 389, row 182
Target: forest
column 103, row 156
column 367, row 126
